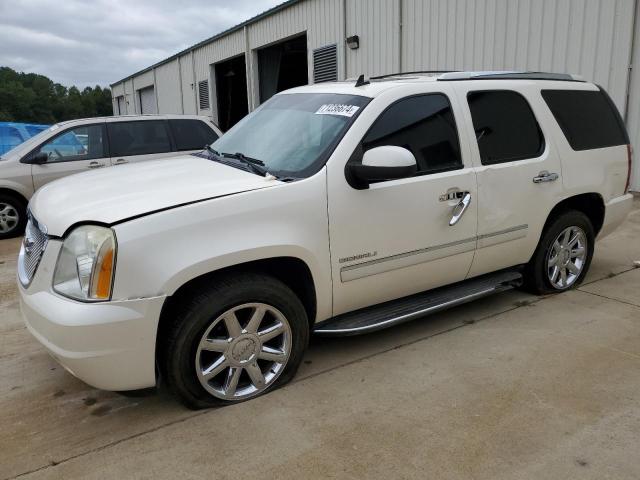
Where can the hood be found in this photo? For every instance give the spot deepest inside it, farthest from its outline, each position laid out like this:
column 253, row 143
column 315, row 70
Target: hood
column 116, row 193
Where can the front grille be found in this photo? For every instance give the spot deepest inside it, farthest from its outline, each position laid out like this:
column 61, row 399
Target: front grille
column 33, row 245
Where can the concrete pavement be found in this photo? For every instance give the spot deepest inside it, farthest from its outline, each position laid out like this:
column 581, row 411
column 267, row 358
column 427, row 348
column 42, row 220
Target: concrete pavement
column 512, row 386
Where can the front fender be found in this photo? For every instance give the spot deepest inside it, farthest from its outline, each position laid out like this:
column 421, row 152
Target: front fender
column 159, row 253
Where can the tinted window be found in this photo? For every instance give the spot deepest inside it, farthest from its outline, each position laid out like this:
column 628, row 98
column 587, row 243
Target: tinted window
column 505, row 126
column 81, row 143
column 588, row 119
column 192, row 134
column 138, row 138
column 423, row 125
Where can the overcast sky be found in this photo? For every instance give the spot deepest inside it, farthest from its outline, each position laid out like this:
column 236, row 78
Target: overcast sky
column 97, row 42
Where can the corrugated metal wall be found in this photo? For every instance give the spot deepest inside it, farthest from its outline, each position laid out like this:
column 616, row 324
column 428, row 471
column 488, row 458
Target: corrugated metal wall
column 590, row 37
column 168, row 88
column 377, row 24
column 633, row 112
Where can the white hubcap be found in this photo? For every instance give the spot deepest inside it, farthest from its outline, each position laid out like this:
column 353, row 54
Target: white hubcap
column 9, row 217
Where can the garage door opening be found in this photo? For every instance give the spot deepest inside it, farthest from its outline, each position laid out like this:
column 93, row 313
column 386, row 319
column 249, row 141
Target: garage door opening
column 231, row 90
column 147, row 99
column 283, row 66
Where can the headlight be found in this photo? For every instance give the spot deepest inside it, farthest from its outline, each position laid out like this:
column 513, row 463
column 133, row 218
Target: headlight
column 86, row 263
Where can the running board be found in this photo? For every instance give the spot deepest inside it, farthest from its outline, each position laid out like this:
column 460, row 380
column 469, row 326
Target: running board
column 404, row 309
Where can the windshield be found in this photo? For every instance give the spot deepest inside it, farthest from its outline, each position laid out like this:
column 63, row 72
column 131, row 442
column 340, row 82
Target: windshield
column 293, row 134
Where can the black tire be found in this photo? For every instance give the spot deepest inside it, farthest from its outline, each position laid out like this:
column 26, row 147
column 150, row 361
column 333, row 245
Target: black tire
column 194, row 315
column 20, row 207
column 536, row 277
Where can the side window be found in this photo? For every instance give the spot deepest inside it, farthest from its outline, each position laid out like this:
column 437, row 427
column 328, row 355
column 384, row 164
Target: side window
column 587, row 118
column 81, row 143
column 191, row 134
column 425, row 126
column 138, row 138
column 506, row 129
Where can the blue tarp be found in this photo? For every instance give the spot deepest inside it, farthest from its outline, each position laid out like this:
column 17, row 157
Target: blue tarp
column 13, row 134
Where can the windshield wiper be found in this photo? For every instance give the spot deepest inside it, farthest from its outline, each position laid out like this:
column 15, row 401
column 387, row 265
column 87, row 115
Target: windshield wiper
column 257, row 166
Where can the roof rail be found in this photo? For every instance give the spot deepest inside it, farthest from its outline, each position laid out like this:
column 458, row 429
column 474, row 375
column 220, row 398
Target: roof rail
column 417, row 72
column 500, row 75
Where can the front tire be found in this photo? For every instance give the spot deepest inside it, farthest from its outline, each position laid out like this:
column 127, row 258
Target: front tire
column 13, row 216
column 563, row 256
column 236, row 339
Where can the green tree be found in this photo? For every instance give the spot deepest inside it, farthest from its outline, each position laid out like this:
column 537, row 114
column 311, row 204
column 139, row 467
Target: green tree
column 30, row 97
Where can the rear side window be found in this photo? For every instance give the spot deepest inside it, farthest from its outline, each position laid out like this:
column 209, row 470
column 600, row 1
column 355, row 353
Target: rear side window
column 505, row 127
column 425, row 126
column 587, row 118
column 138, row 138
column 191, row 134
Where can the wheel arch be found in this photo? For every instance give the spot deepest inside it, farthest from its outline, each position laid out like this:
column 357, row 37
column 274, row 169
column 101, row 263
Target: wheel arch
column 591, row 204
column 15, row 193
column 292, row 271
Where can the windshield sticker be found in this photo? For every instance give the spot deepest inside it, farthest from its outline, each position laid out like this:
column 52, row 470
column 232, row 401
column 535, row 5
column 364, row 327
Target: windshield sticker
column 338, row 109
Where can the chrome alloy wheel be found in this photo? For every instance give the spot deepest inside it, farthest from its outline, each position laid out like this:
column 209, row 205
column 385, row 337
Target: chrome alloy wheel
column 566, row 258
column 243, row 351
column 9, row 217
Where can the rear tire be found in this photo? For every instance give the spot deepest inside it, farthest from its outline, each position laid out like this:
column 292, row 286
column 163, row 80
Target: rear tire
column 235, row 339
column 563, row 255
column 13, row 215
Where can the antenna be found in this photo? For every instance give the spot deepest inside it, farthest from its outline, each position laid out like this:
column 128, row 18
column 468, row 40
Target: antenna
column 361, row 81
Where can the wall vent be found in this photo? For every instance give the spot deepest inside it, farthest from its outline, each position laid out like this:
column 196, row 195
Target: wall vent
column 325, row 64
column 203, row 94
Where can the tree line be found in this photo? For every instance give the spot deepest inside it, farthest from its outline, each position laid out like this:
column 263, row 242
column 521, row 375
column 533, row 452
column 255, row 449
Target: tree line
column 33, row 98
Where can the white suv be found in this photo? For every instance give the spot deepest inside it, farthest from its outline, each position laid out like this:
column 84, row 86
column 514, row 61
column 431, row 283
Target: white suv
column 338, row 209
column 90, row 143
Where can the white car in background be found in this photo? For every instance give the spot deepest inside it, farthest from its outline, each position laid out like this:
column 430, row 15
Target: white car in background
column 91, row 143
column 334, row 208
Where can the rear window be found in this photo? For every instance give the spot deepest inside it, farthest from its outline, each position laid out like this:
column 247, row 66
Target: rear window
column 587, row 118
column 138, row 138
column 191, row 134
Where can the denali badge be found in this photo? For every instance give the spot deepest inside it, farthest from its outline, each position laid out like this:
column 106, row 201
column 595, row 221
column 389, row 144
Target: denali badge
column 28, row 243
column 360, row 256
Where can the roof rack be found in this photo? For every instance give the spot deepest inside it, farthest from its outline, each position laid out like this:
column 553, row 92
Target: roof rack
column 417, row 72
column 501, row 75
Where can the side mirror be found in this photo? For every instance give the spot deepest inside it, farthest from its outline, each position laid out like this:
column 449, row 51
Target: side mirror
column 39, row 158
column 380, row 164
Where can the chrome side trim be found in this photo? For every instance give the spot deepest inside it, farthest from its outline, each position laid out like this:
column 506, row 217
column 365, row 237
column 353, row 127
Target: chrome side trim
column 502, row 236
column 407, row 259
column 409, row 316
column 428, row 254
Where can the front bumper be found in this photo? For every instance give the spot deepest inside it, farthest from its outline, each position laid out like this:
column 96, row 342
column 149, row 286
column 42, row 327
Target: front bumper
column 109, row 345
column 615, row 212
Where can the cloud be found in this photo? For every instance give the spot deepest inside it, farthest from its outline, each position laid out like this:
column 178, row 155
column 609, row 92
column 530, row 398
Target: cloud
column 75, row 42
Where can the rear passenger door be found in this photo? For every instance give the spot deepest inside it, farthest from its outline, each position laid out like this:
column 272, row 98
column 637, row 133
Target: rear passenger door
column 139, row 140
column 518, row 170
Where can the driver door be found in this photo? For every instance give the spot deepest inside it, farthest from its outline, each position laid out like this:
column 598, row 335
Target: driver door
column 395, row 239
column 74, row 150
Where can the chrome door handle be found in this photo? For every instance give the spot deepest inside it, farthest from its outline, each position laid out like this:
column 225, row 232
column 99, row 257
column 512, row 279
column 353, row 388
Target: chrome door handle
column 121, row 161
column 545, row 176
column 460, row 208
column 96, row 165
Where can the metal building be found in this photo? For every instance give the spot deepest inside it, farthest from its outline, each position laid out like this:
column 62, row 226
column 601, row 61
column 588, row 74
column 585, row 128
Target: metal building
column 306, row 41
